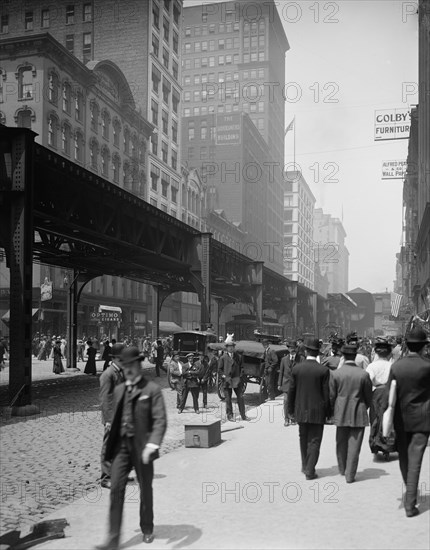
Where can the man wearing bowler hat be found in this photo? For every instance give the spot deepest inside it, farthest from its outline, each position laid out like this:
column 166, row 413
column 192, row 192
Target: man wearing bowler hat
column 230, row 370
column 308, row 403
column 350, row 397
column 191, row 374
column 138, row 426
column 412, row 413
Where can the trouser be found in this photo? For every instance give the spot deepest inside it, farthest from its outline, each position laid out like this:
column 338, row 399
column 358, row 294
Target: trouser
column 348, row 446
column 204, row 388
column 286, row 415
column 105, row 464
column 310, row 442
column 270, row 383
column 126, row 457
column 228, row 392
column 179, row 391
column 411, row 447
column 158, row 365
column 195, row 395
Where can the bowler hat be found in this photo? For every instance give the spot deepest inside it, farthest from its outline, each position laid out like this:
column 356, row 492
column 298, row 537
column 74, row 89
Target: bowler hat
column 312, row 344
column 417, row 336
column 116, row 350
column 382, row 343
column 349, row 349
column 189, row 355
column 129, row 355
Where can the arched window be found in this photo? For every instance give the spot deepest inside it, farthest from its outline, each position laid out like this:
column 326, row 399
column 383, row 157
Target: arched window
column 142, row 151
column 94, row 154
column 95, row 111
column 65, row 138
column 79, row 146
column 126, row 175
column 126, row 141
column 116, row 164
column 134, row 146
column 25, row 75
column 105, row 123
column 53, row 84
column 116, row 125
column 67, row 97
column 52, row 130
column 79, row 105
column 24, row 117
column 105, row 157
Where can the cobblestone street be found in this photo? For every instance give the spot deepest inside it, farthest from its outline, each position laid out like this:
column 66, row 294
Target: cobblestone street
column 53, row 458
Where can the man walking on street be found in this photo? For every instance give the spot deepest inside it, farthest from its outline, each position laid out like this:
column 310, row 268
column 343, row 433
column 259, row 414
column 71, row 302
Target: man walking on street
column 138, row 427
column 350, row 397
column 284, row 383
column 109, row 379
column 308, row 402
column 230, row 372
column 412, row 413
column 270, row 362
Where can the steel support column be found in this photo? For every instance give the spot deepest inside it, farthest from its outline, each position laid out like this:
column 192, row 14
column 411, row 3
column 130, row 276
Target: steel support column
column 258, row 290
column 72, row 321
column 156, row 307
column 205, row 298
column 21, row 269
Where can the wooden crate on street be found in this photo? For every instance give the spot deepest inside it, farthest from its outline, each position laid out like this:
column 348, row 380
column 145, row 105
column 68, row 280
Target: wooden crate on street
column 203, row 434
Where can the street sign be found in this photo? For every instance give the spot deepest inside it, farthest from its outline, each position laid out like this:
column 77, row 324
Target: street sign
column 394, row 169
column 392, row 124
column 106, row 316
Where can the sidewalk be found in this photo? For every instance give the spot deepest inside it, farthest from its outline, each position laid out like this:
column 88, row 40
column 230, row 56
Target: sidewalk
column 248, row 493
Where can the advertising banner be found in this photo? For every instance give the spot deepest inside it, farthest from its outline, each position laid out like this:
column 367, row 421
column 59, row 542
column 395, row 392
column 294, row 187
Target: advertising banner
column 392, row 124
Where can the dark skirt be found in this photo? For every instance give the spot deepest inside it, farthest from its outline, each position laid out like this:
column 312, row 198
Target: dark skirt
column 377, row 442
column 58, row 365
column 90, row 367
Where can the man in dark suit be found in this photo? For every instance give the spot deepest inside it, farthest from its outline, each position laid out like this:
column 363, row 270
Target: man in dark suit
column 308, row 402
column 191, row 374
column 138, row 427
column 412, row 413
column 284, row 379
column 109, row 379
column 350, row 397
column 270, row 362
column 231, row 372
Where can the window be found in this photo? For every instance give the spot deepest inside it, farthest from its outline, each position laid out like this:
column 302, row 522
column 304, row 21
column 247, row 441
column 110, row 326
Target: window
column 164, row 151
column 203, row 130
column 221, row 28
column 166, row 58
column 70, row 15
column 134, row 147
column 116, row 163
column 153, row 202
column 78, row 146
column 203, row 153
column 175, row 100
column 197, row 47
column 94, row 153
column 167, row 5
column 142, row 151
column 196, row 111
column 186, row 112
column 154, row 144
column 166, row 91
column 196, row 95
column 52, row 130
column 105, row 123
column 156, row 78
column 65, row 139
column 166, row 29
column 197, row 63
column 155, row 176
column 165, row 182
column 25, row 82
column 190, row 131
column 155, row 15
column 212, row 28
column 126, row 141
column 197, row 31
column 126, row 175
column 116, row 129
column 87, row 47
column 165, row 122
column 155, row 45
column 44, row 17
column 204, row 62
column 211, row 45
column 187, row 31
column 70, row 43
column 174, row 131
column 24, row 118
column 4, row 24
column 87, row 13
column 174, row 192
column 220, row 60
column 228, row 59
column 174, row 159
column 28, row 21
column 66, row 97
column 176, row 13
column 94, row 116
column 186, row 63
column 187, row 96
column 175, row 42
column 154, row 112
column 175, row 69
column 221, row 44
column 205, row 46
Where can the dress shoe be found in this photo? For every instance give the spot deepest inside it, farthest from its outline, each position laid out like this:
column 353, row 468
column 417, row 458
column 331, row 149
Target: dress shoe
column 148, row 538
column 180, row 411
column 246, row 419
column 230, row 418
column 286, row 423
column 197, row 411
column 312, row 476
column 105, row 483
column 350, row 480
column 412, row 513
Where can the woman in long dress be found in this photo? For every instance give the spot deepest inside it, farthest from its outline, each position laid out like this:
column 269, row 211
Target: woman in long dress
column 90, row 367
column 58, row 363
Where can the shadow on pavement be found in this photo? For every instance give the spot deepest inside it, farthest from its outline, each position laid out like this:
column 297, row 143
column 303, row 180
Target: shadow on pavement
column 327, row 472
column 370, row 473
column 182, row 536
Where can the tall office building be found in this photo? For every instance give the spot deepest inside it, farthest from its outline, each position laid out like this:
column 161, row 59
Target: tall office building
column 299, row 203
column 330, row 250
column 234, row 63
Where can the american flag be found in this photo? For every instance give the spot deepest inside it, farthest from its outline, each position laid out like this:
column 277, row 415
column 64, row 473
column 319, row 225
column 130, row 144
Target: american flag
column 396, row 300
column 290, row 126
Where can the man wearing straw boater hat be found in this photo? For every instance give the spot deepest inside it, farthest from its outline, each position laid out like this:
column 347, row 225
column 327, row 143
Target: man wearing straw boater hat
column 412, row 413
column 139, row 423
column 230, row 370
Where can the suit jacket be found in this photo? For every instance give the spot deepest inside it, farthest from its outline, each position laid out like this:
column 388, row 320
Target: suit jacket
column 175, row 373
column 149, row 417
column 332, row 362
column 412, row 376
column 308, row 395
column 285, row 373
column 270, row 360
column 231, row 368
column 109, row 379
column 350, row 395
column 192, row 374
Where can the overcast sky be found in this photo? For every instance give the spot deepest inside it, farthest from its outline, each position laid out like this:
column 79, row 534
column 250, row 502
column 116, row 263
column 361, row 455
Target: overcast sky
column 363, row 52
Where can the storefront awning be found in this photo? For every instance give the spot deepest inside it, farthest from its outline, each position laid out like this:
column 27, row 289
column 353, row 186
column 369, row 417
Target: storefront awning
column 6, row 316
column 110, row 308
column 168, row 327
